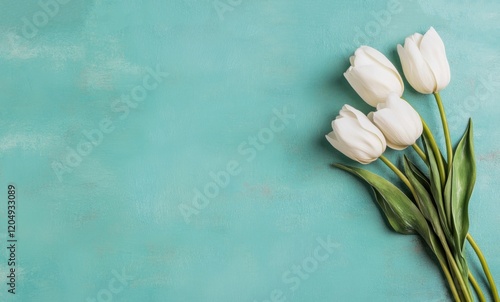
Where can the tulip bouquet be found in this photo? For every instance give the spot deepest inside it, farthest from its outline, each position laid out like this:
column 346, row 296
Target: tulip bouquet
column 439, row 188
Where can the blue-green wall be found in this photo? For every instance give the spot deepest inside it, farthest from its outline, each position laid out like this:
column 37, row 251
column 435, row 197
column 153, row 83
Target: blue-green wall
column 247, row 87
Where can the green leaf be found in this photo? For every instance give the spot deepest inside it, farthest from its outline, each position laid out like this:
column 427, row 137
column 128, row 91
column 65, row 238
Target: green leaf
column 460, row 185
column 423, row 200
column 426, row 205
column 402, row 214
column 419, row 175
column 422, row 228
column 435, row 186
column 398, row 224
column 400, row 211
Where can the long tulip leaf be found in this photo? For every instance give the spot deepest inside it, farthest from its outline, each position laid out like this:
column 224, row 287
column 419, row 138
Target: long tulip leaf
column 426, row 205
column 419, row 175
column 435, row 185
column 460, row 185
column 401, row 213
column 424, row 199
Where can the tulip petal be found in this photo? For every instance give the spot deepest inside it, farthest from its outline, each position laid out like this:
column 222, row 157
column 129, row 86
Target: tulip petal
column 433, row 51
column 372, row 75
column 361, row 59
column 342, row 147
column 417, row 38
column 351, row 60
column 366, row 124
column 350, row 150
column 366, row 140
column 356, row 137
column 373, row 83
column 378, row 57
column 352, row 142
column 399, row 122
column 357, row 84
column 408, row 115
column 347, row 112
column 416, row 70
column 388, row 122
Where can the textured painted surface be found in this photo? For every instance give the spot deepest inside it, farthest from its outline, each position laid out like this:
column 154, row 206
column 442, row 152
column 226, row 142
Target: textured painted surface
column 233, row 67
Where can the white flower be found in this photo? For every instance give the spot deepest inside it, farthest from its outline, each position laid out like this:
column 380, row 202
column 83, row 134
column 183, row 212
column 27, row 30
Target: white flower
column 424, row 62
column 356, row 136
column 398, row 121
column 373, row 76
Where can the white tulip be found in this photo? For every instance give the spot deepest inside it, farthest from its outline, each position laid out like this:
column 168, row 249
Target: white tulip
column 373, row 76
column 356, row 136
column 424, row 62
column 398, row 121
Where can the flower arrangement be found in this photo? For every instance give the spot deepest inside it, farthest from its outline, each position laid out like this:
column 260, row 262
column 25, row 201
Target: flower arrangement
column 437, row 206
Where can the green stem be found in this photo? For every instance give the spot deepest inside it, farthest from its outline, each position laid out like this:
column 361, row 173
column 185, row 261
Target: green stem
column 419, row 152
column 449, row 149
column 435, row 150
column 449, row 256
column 399, row 174
column 476, row 287
column 453, row 289
column 486, row 269
column 456, row 270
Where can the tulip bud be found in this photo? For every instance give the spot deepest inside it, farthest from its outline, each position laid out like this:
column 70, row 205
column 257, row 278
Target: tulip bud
column 373, row 76
column 356, row 136
column 424, row 62
column 398, row 121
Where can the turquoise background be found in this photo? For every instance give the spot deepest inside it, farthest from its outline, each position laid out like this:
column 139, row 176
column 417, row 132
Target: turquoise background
column 127, row 206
